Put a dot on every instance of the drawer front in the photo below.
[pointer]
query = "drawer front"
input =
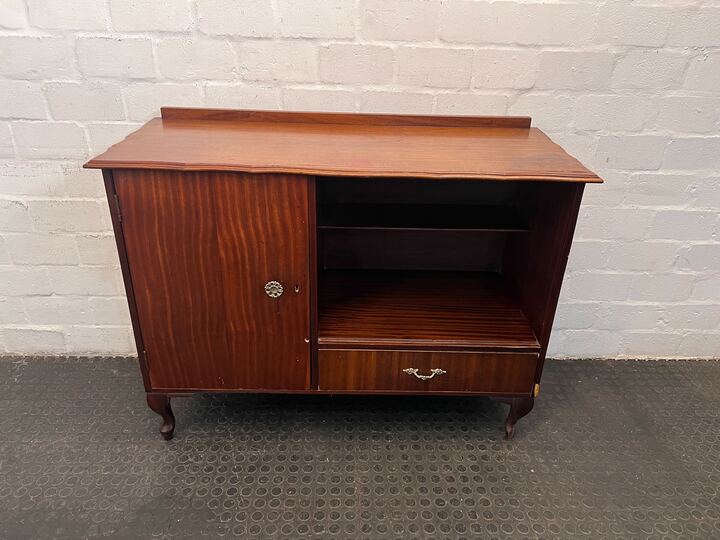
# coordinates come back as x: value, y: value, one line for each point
x: 409, y: 371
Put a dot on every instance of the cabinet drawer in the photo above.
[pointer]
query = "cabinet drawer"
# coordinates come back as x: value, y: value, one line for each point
x: 409, y: 371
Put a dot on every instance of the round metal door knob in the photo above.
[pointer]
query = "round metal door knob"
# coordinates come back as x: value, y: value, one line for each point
x: 273, y: 289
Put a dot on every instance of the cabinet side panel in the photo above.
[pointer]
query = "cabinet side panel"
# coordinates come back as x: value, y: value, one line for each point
x: 113, y: 206
x: 170, y: 227
x: 535, y: 262
x: 263, y: 236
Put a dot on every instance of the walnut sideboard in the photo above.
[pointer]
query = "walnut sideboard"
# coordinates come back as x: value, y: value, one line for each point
x: 341, y: 253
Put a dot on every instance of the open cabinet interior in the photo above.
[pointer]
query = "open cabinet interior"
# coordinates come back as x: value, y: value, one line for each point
x: 447, y: 264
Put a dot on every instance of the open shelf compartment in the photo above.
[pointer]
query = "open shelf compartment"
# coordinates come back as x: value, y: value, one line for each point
x: 439, y: 265
x: 415, y: 309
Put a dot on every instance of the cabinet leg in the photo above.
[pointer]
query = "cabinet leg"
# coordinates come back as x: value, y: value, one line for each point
x: 160, y: 403
x: 519, y: 407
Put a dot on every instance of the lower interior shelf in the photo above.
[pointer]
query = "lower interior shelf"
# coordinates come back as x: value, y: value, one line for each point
x: 361, y: 308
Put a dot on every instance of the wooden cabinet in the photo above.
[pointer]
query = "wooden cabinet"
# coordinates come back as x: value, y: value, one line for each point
x: 320, y: 253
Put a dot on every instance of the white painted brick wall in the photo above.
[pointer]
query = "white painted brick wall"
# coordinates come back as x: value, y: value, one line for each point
x: 313, y: 19
x: 278, y: 61
x: 349, y: 63
x: 6, y: 143
x: 631, y: 88
x: 63, y: 15
x: 250, y: 18
x: 434, y: 67
x: 150, y: 15
x: 704, y: 72
x: 115, y: 57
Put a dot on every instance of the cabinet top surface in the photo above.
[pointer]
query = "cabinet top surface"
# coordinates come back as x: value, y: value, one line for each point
x: 496, y: 148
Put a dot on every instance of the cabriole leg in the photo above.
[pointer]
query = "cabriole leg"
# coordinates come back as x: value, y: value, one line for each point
x: 519, y: 407
x: 160, y: 403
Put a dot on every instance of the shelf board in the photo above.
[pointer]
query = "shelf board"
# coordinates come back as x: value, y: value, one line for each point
x: 445, y: 217
x: 436, y: 310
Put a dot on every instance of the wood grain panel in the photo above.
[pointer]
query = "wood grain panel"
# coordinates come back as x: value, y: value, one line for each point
x: 201, y: 247
x: 534, y: 263
x: 419, y: 217
x: 411, y: 250
x: 314, y: 246
x: 356, y: 147
x: 395, y: 191
x: 263, y: 234
x: 381, y: 370
x: 170, y: 226
x: 432, y: 310
x: 114, y: 208
x: 221, y: 115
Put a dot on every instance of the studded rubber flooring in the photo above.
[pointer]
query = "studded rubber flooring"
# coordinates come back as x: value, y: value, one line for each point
x: 613, y: 449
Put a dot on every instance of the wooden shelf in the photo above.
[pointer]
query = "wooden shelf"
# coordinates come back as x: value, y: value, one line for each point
x: 409, y: 309
x: 448, y: 217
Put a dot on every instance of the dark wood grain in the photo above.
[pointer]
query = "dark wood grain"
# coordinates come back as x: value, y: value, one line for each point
x: 160, y: 403
x: 114, y: 207
x: 411, y: 250
x: 201, y: 247
x: 313, y: 246
x: 493, y: 373
x: 519, y: 406
x: 170, y: 231
x: 263, y: 235
x: 289, y: 117
x: 415, y: 224
x: 432, y: 310
x: 391, y: 253
x: 436, y: 217
x: 345, y: 149
x: 535, y: 263
x: 414, y: 191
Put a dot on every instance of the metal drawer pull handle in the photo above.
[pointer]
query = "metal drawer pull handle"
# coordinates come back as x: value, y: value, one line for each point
x: 273, y: 289
x: 433, y: 372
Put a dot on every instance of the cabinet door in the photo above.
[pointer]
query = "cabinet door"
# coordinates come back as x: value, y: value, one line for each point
x: 201, y: 246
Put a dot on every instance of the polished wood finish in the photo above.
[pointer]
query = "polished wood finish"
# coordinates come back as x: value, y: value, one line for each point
x: 160, y: 403
x: 354, y: 119
x: 200, y: 248
x: 263, y: 234
x: 114, y: 207
x: 411, y: 250
x: 393, y: 249
x: 414, y: 191
x: 424, y: 217
x: 431, y: 310
x: 313, y: 246
x: 519, y: 407
x: 535, y: 263
x: 171, y: 241
x: 382, y: 370
x: 351, y: 146
x: 415, y: 224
